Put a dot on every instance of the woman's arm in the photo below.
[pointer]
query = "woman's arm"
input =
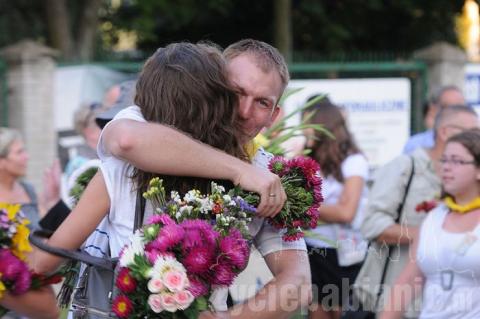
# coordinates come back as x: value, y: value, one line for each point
x: 37, y: 304
x: 408, y: 286
x: 161, y: 149
x: 346, y: 208
x: 92, y: 207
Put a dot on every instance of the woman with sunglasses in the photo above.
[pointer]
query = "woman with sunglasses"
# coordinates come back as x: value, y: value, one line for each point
x: 446, y: 255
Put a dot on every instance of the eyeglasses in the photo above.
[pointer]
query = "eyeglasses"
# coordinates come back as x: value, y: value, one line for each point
x: 455, y: 161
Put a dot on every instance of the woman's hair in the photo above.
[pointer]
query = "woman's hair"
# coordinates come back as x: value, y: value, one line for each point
x: 7, y: 137
x: 470, y: 139
x: 185, y: 86
x: 85, y: 116
x: 327, y: 151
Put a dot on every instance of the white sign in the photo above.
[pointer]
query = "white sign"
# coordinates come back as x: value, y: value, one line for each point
x: 472, y: 85
x: 377, y: 110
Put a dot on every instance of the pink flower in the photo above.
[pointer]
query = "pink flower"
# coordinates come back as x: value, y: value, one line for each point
x: 175, y: 280
x: 155, y: 303
x: 297, y: 223
x: 168, y: 302
x: 235, y: 249
x: 278, y: 165
x: 197, y: 287
x: 23, y: 281
x: 14, y: 270
x: 198, y: 233
x: 169, y: 236
x: 292, y: 237
x: 173, y: 232
x: 155, y: 285
x: 223, y: 275
x: 198, y: 260
x: 163, y: 219
x: 184, y: 299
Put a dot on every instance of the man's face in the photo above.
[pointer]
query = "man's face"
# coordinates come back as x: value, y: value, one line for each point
x: 258, y: 93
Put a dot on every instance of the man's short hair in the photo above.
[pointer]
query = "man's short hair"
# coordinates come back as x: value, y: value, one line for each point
x: 267, y: 56
x: 437, y: 94
x: 447, y: 112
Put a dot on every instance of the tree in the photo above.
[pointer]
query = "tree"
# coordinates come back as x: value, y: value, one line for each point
x: 74, y: 39
x: 66, y: 25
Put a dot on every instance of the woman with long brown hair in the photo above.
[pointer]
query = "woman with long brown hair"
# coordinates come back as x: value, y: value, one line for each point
x: 336, y: 248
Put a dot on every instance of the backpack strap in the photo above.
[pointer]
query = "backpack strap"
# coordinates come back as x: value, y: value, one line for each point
x: 397, y: 220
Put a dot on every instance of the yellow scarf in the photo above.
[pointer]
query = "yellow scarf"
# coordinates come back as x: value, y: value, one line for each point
x: 462, y: 209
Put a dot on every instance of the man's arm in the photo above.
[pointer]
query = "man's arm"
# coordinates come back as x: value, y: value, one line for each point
x: 158, y: 148
x: 288, y: 291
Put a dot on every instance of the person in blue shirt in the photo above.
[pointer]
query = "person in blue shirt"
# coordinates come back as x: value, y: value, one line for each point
x: 445, y: 96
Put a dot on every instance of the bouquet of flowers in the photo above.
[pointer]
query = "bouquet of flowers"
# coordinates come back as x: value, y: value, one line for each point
x: 302, y: 183
x: 16, y: 278
x: 186, y: 249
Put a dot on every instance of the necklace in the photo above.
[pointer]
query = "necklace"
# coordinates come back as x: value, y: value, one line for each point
x: 462, y: 209
x: 447, y: 275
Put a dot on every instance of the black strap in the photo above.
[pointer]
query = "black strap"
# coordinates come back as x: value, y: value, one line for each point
x: 37, y: 239
x: 397, y: 220
x: 139, y: 210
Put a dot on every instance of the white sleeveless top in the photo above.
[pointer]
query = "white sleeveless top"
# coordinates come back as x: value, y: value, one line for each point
x: 450, y: 263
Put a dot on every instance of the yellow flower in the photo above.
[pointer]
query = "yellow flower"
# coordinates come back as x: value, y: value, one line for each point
x: 20, y: 241
x: 2, y: 288
x: 12, y: 209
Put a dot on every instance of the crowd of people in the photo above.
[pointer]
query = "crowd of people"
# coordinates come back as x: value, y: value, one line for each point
x: 191, y: 117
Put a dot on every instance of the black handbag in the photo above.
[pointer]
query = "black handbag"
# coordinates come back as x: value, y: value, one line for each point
x: 93, y: 294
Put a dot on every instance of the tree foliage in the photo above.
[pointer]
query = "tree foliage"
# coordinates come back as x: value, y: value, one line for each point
x: 325, y: 27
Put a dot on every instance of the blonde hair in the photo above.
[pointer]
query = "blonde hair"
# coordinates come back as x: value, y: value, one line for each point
x: 7, y: 137
x: 85, y: 116
x: 267, y: 57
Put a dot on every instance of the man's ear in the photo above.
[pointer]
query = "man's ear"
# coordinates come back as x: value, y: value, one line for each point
x: 275, y: 113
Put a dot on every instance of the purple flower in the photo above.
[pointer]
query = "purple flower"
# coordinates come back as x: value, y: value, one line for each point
x: 163, y: 219
x: 14, y: 271
x: 10, y: 265
x: 244, y: 206
x: 199, y: 260
x: 235, y: 249
x: 223, y: 275
x: 198, y: 233
x: 153, y: 254
x: 197, y: 287
x: 173, y: 232
x: 23, y: 280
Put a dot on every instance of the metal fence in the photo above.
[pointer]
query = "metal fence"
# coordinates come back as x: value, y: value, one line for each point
x: 341, y: 67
